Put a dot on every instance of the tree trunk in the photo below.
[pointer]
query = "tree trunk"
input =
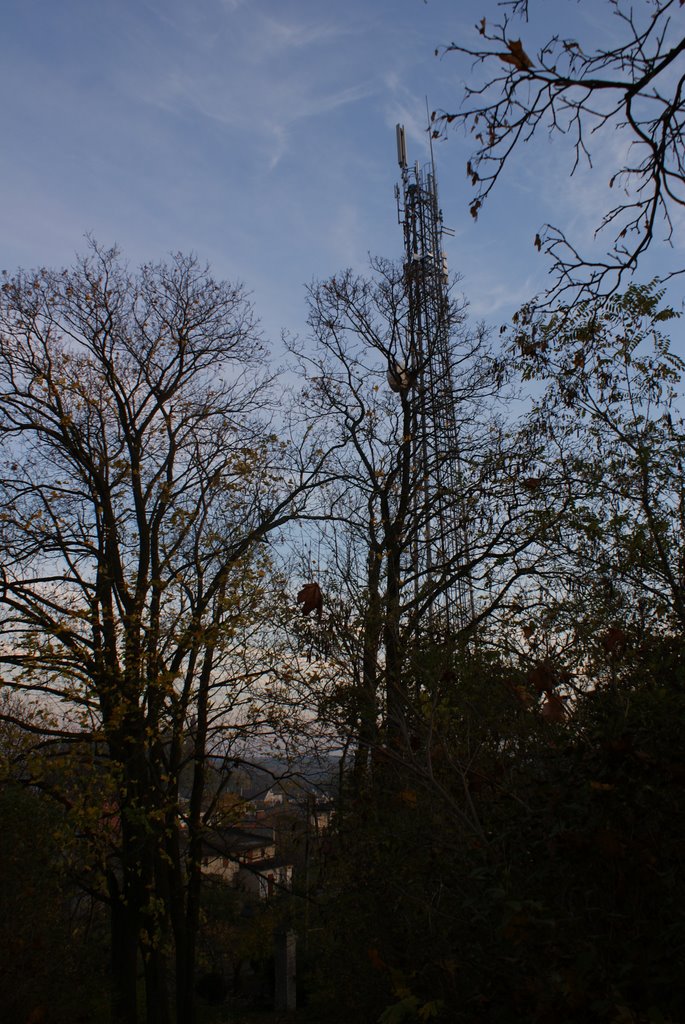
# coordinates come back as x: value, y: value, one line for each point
x: 187, y: 924
x: 156, y: 990
x: 368, y: 696
x: 124, y: 956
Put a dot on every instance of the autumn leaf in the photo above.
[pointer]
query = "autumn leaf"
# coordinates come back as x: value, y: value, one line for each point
x: 481, y: 26
x: 516, y: 56
x: 431, y: 1010
x: 408, y: 797
x: 553, y: 709
x: 311, y: 599
x: 377, y: 962
x: 614, y: 640
x: 522, y: 694
x: 542, y: 677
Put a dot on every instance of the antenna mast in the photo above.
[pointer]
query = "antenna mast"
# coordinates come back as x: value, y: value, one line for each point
x: 439, y: 551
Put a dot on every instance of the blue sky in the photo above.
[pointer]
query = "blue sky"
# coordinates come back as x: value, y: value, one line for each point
x: 260, y: 135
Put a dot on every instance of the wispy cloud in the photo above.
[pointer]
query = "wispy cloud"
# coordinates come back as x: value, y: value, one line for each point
x: 347, y: 237
x: 264, y: 91
x: 281, y: 35
x: 490, y: 296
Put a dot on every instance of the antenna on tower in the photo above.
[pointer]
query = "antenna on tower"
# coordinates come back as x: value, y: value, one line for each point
x: 429, y: 129
x: 401, y: 146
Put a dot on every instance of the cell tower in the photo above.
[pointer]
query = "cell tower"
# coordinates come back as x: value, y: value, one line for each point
x: 439, y: 550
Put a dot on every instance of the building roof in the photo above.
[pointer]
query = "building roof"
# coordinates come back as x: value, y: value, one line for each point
x: 228, y: 842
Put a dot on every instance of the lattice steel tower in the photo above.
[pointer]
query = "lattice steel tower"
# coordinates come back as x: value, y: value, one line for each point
x: 439, y: 551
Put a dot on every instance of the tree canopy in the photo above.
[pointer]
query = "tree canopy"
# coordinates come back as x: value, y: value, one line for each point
x: 139, y: 475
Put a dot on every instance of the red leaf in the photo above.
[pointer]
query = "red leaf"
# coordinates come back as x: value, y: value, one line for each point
x: 311, y: 599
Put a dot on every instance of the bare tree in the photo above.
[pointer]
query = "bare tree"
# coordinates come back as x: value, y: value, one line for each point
x: 138, y: 477
x: 580, y: 91
x: 386, y: 599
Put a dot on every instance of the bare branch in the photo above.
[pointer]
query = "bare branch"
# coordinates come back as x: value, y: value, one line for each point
x: 582, y: 93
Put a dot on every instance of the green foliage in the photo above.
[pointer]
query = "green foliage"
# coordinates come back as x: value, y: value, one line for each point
x: 496, y: 857
x: 608, y: 437
x: 54, y: 940
x: 548, y: 890
x: 236, y: 927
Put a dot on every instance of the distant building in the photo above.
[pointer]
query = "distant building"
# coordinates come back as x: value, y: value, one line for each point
x: 246, y: 860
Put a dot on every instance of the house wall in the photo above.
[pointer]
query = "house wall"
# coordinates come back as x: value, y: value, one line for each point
x: 267, y: 882
x: 220, y: 867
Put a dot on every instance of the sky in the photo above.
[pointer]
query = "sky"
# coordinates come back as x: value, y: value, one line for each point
x: 260, y: 135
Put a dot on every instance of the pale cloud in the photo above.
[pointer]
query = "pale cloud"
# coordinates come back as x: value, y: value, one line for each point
x: 280, y: 35
x: 491, y: 296
x: 265, y: 108
x: 266, y: 111
x: 404, y: 107
x: 577, y: 204
x: 347, y: 237
x: 314, y: 106
x: 281, y: 72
